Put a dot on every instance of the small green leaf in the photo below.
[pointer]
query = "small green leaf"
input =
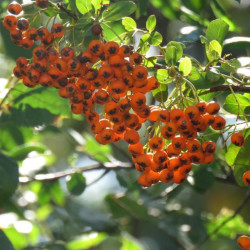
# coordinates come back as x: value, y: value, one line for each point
x: 185, y: 66
x: 8, y: 177
x: 203, y: 179
x: 151, y: 23
x: 170, y: 55
x: 155, y: 38
x: 129, y: 23
x: 214, y: 46
x: 232, y: 105
x: 217, y: 30
x: 83, y: 6
x: 97, y: 4
x: 87, y: 241
x: 178, y: 52
x: 76, y: 184
x: 161, y: 93
x: 162, y: 75
x: 118, y: 10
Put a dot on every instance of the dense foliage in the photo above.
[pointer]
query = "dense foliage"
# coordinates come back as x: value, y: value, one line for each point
x: 78, y: 77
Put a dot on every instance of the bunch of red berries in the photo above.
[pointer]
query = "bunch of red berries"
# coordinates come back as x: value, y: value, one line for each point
x: 111, y: 78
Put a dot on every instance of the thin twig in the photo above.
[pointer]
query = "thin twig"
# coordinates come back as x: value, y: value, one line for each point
x: 62, y: 8
x: 236, y: 88
x: 61, y: 174
x: 237, y: 211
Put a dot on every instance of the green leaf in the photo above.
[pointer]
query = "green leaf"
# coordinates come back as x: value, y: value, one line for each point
x: 221, y: 13
x: 161, y: 93
x: 123, y: 206
x: 8, y: 177
x: 27, y: 116
x: 97, y: 4
x: 185, y: 66
x: 83, y: 6
x: 155, y: 38
x: 87, y: 241
x: 100, y: 152
x: 170, y: 55
x: 162, y: 75
x: 235, y: 227
x: 118, y: 10
x: 203, y: 178
x: 232, y: 106
x: 129, y: 23
x: 173, y: 55
x: 215, y: 49
x: 217, y: 30
x: 21, y: 152
x: 114, y: 29
x: 41, y: 97
x: 5, y: 242
x: 151, y: 23
x: 150, y: 62
x: 76, y: 184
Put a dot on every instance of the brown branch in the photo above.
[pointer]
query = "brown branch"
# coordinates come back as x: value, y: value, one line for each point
x: 70, y: 14
x: 57, y: 175
x: 235, y: 88
x: 237, y: 211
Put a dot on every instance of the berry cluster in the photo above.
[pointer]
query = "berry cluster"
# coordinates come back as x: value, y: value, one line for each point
x: 108, y: 83
x: 176, y: 146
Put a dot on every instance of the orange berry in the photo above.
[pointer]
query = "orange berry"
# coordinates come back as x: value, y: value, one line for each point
x: 219, y: 123
x: 15, y: 8
x: 43, y: 4
x: 246, y: 178
x: 57, y: 30
x: 166, y: 175
x: 202, y: 107
x: 192, y: 112
x: 143, y: 182
x: 156, y: 143
x: 111, y: 48
x: 193, y: 146
x: 179, y: 142
x: 208, y: 147
x: 176, y: 114
x: 238, y: 139
x: 10, y: 22
x: 96, y: 47
x: 160, y: 157
x: 213, y: 108
x: 244, y: 242
x: 152, y: 176
x: 164, y: 116
x: 179, y: 176
x: 131, y: 136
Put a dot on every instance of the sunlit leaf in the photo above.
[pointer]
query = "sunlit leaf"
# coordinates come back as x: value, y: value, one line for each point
x: 185, y: 66
x: 151, y: 23
x: 118, y: 10
x: 129, y: 23
x: 217, y: 30
x: 83, y: 6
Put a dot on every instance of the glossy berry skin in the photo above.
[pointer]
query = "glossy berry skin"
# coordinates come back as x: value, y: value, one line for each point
x: 238, y: 139
x: 246, y: 178
x: 244, y: 242
x: 43, y: 4
x: 96, y: 29
x: 15, y: 8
